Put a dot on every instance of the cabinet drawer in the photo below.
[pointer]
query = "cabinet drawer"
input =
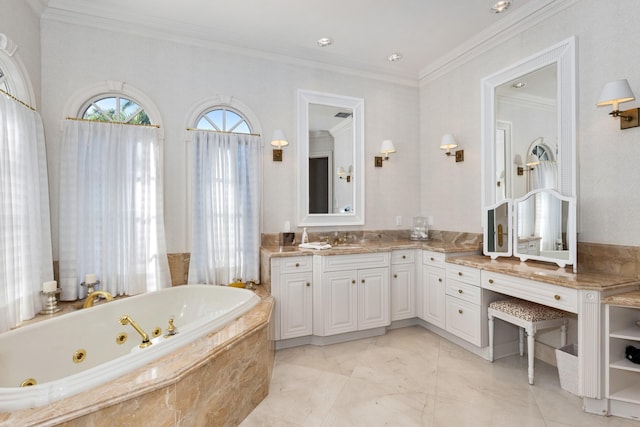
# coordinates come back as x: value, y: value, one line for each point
x: 464, y: 291
x: 464, y: 320
x: 463, y: 274
x: 355, y: 261
x: 296, y: 264
x: 403, y: 256
x: 543, y: 293
x: 435, y: 259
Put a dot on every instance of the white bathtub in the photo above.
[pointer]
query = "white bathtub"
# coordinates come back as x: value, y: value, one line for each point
x: 45, y: 350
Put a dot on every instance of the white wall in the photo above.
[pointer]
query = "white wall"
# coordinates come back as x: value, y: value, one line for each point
x: 608, y: 48
x: 177, y: 76
x: 21, y: 24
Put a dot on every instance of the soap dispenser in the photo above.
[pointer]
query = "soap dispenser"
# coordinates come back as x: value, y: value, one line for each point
x: 305, y: 236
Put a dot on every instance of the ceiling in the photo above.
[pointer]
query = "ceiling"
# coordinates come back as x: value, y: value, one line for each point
x: 365, y: 32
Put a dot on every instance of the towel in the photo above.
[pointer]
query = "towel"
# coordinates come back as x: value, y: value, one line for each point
x: 314, y: 245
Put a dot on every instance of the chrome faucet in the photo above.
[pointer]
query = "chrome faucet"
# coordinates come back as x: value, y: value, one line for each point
x: 91, y: 298
x: 124, y: 320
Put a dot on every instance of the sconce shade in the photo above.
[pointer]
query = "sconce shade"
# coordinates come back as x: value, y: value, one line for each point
x: 614, y: 93
x: 279, y: 139
x: 387, y: 147
x: 532, y: 160
x: 517, y: 160
x: 341, y: 171
x: 448, y: 142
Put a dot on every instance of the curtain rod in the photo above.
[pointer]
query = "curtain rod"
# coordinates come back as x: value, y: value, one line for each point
x: 222, y: 131
x: 112, y: 122
x: 16, y: 99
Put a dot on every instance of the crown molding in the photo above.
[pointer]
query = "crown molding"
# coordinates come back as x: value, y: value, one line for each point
x: 203, y: 37
x: 521, y: 20
x: 529, y: 101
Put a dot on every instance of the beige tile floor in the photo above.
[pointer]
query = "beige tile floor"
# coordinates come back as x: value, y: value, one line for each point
x: 412, y: 377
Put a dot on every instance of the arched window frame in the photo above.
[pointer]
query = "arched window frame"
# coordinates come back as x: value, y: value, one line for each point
x: 15, y: 74
x: 120, y: 105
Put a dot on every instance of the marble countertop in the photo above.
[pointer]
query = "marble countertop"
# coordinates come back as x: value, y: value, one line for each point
x: 546, y: 272
x: 375, y: 246
x: 629, y: 299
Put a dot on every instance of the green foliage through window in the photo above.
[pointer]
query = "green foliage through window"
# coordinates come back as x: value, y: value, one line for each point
x: 116, y: 109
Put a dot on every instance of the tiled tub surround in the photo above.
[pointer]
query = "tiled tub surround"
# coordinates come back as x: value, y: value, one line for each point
x: 215, y: 381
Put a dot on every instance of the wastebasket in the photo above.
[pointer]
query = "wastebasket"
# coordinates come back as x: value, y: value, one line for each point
x: 567, y: 359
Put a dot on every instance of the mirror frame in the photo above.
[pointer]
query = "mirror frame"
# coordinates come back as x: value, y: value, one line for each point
x: 563, y: 56
x: 356, y: 217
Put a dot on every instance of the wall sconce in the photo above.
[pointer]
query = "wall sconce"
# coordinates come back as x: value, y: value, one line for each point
x: 342, y: 174
x: 448, y: 142
x: 279, y: 140
x: 386, y: 148
x: 614, y: 93
x: 531, y: 162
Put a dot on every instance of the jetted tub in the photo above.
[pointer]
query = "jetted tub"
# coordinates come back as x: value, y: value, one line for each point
x: 51, y: 352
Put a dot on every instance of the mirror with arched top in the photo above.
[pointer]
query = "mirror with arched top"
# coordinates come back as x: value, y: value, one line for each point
x: 528, y: 140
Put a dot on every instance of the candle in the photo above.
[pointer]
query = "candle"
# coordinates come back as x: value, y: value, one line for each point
x: 90, y: 278
x: 51, y: 286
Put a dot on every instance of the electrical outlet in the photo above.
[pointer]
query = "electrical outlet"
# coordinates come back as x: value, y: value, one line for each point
x: 398, y: 220
x: 430, y: 220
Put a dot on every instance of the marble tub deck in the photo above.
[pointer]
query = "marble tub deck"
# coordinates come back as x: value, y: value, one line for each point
x: 214, y: 381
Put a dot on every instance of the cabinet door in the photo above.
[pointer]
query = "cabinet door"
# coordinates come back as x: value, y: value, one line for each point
x: 433, y: 295
x: 339, y: 302
x: 403, y: 291
x: 373, y: 298
x: 296, y: 298
x: 464, y: 320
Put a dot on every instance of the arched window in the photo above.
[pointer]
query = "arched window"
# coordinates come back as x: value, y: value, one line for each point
x: 4, y: 85
x: 114, y: 108
x: 223, y: 119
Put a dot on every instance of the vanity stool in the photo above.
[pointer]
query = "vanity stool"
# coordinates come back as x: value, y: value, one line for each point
x: 527, y: 316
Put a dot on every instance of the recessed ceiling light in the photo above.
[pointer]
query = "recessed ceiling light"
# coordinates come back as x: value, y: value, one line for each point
x: 325, y: 41
x: 518, y: 85
x: 394, y: 57
x: 501, y: 6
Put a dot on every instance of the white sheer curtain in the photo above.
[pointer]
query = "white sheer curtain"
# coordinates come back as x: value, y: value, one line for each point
x: 25, y: 231
x: 225, y: 193
x: 550, y: 225
x: 111, y: 209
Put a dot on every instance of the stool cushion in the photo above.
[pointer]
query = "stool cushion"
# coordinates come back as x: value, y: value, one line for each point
x: 526, y: 310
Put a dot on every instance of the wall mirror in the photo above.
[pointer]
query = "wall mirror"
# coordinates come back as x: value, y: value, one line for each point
x: 330, y: 159
x: 545, y: 230
x: 528, y: 136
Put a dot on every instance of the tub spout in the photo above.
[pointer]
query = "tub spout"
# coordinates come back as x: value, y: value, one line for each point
x: 91, y: 298
x: 124, y: 320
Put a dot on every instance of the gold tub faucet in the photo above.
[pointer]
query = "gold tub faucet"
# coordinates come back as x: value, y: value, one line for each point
x: 91, y: 298
x: 126, y: 319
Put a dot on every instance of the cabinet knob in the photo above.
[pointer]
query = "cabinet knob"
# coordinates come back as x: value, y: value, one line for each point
x: 490, y: 280
x: 404, y: 257
x: 362, y: 280
x: 308, y: 284
x: 297, y: 264
x: 459, y: 291
x: 395, y: 276
x: 460, y: 311
x: 557, y: 297
x: 459, y: 273
x: 440, y: 279
x: 432, y: 259
x: 353, y: 281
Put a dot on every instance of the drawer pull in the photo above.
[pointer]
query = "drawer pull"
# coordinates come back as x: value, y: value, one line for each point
x: 459, y: 291
x: 297, y: 264
x: 308, y: 284
x: 490, y: 281
x: 459, y: 273
x: 353, y: 281
x: 556, y: 297
x: 395, y: 276
x: 362, y: 280
x: 460, y: 311
x: 404, y: 257
x: 432, y: 259
x: 440, y: 279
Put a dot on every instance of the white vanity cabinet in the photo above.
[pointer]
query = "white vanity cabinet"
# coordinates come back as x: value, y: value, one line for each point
x: 353, y: 293
x: 403, y: 284
x: 291, y: 279
x: 465, y: 315
x: 432, y: 293
x: 622, y: 376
